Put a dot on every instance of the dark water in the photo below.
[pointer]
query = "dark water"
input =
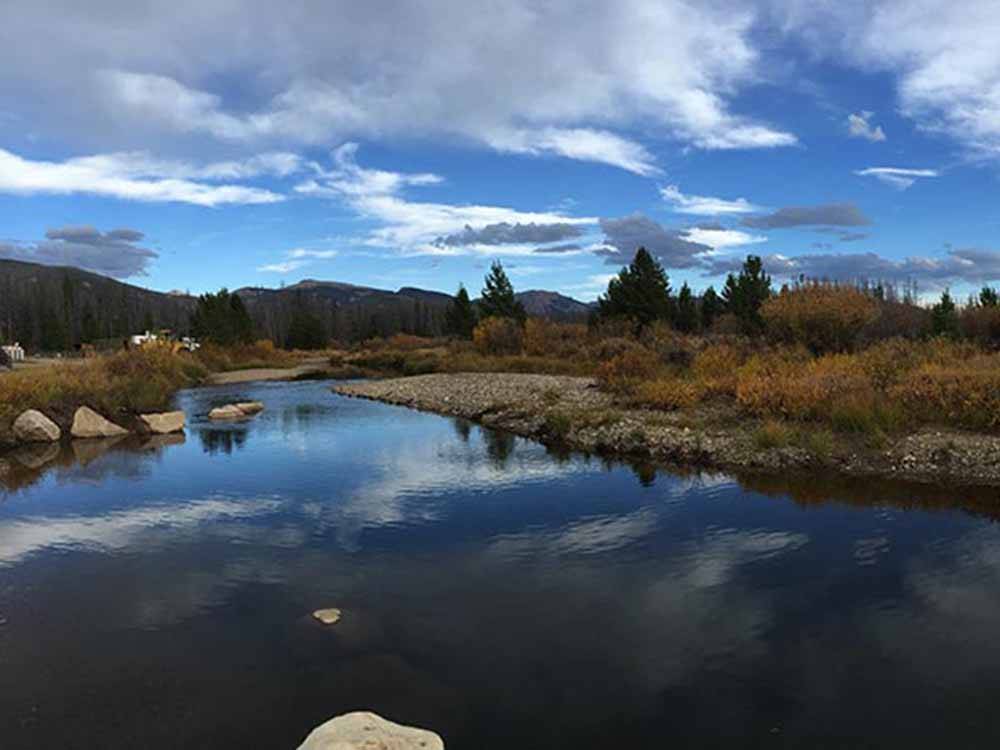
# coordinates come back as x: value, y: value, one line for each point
x: 158, y: 596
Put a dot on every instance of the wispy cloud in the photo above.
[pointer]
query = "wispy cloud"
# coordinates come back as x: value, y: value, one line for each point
x: 704, y: 205
x: 824, y: 215
x: 860, y: 126
x: 898, y: 177
x: 126, y: 177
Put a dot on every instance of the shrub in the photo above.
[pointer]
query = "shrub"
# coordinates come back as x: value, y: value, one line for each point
x: 981, y: 323
x: 667, y: 393
x: 624, y: 371
x: 544, y: 338
x: 822, y: 317
x: 772, y: 434
x: 497, y: 336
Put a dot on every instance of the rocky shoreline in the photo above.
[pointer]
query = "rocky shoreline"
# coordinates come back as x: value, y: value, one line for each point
x: 571, y: 412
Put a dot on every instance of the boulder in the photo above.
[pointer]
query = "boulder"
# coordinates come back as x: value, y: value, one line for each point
x: 229, y: 411
x: 34, y: 427
x: 363, y: 730
x: 250, y: 407
x: 87, y: 423
x: 329, y: 616
x: 163, y: 424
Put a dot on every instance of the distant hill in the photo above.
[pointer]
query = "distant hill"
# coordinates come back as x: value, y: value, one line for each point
x: 553, y: 305
x: 53, y: 308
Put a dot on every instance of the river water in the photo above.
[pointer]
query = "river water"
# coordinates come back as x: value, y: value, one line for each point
x: 159, y: 595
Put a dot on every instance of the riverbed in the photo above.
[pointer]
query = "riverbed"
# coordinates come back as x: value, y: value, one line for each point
x: 157, y: 593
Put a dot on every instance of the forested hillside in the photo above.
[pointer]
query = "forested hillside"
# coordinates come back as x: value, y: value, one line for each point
x: 49, y: 308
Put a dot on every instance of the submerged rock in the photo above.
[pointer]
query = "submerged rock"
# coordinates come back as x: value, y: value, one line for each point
x: 229, y: 411
x: 87, y: 423
x: 163, y: 423
x: 363, y: 730
x: 329, y: 616
x: 250, y: 407
x: 34, y: 427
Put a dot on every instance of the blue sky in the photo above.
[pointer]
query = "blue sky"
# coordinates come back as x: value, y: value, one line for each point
x: 201, y: 144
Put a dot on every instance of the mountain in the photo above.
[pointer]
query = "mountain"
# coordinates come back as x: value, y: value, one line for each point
x: 54, y: 308
x: 553, y: 305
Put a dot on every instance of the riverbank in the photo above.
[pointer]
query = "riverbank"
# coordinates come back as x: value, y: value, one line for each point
x: 311, y: 368
x: 572, y: 412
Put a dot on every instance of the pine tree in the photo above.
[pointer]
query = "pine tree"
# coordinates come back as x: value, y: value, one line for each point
x: 306, y: 330
x: 944, y: 318
x: 988, y: 297
x: 640, y: 292
x: 711, y: 307
x: 460, y: 319
x: 686, y: 317
x: 744, y: 294
x: 222, y: 319
x: 498, y: 298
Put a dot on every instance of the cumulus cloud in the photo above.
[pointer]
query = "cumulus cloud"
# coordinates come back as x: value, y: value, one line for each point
x: 505, y: 233
x: 115, y: 253
x: 969, y: 265
x: 830, y: 214
x: 704, y: 205
x: 860, y: 126
x: 897, y: 177
x: 129, y: 177
x: 718, y: 238
x: 622, y: 237
x: 418, y: 227
x: 566, y: 79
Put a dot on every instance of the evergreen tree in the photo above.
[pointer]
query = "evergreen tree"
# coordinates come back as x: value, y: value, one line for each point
x: 686, y: 318
x: 498, y: 298
x: 222, y: 319
x: 744, y: 294
x: 944, y: 318
x: 988, y: 297
x: 88, y: 326
x: 711, y: 307
x: 306, y: 330
x: 640, y: 292
x: 461, y: 316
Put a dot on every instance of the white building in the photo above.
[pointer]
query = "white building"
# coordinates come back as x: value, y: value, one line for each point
x: 15, y: 352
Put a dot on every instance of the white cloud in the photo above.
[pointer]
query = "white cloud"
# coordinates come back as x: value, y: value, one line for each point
x: 860, y: 126
x: 583, y: 144
x: 722, y: 238
x: 943, y: 56
x: 704, y: 205
x: 127, y: 177
x: 555, y: 78
x: 897, y: 177
x: 296, y: 258
x: 414, y: 227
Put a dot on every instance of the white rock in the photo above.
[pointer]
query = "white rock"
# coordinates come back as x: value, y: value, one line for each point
x: 329, y: 616
x: 34, y: 427
x: 87, y: 423
x: 229, y: 411
x: 164, y: 423
x: 363, y: 730
x: 250, y: 407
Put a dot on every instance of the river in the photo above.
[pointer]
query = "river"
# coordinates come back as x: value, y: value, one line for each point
x: 158, y: 595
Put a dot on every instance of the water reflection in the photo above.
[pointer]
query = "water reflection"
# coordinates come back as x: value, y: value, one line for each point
x: 503, y: 593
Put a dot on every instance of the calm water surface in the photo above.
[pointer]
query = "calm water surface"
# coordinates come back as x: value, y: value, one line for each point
x: 158, y: 595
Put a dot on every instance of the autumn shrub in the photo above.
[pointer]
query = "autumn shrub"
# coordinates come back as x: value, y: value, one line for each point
x: 896, y: 319
x: 667, y: 392
x: 981, y: 323
x: 624, y: 371
x: 965, y: 394
x: 545, y: 338
x: 259, y: 354
x: 498, y: 336
x: 671, y: 346
x: 716, y: 366
x: 773, y: 434
x: 820, y: 316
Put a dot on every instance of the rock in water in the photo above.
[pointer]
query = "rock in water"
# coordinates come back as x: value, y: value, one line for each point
x: 229, y: 411
x: 34, y: 427
x: 87, y: 423
x: 250, y: 407
x: 329, y: 616
x: 363, y: 730
x: 165, y: 423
